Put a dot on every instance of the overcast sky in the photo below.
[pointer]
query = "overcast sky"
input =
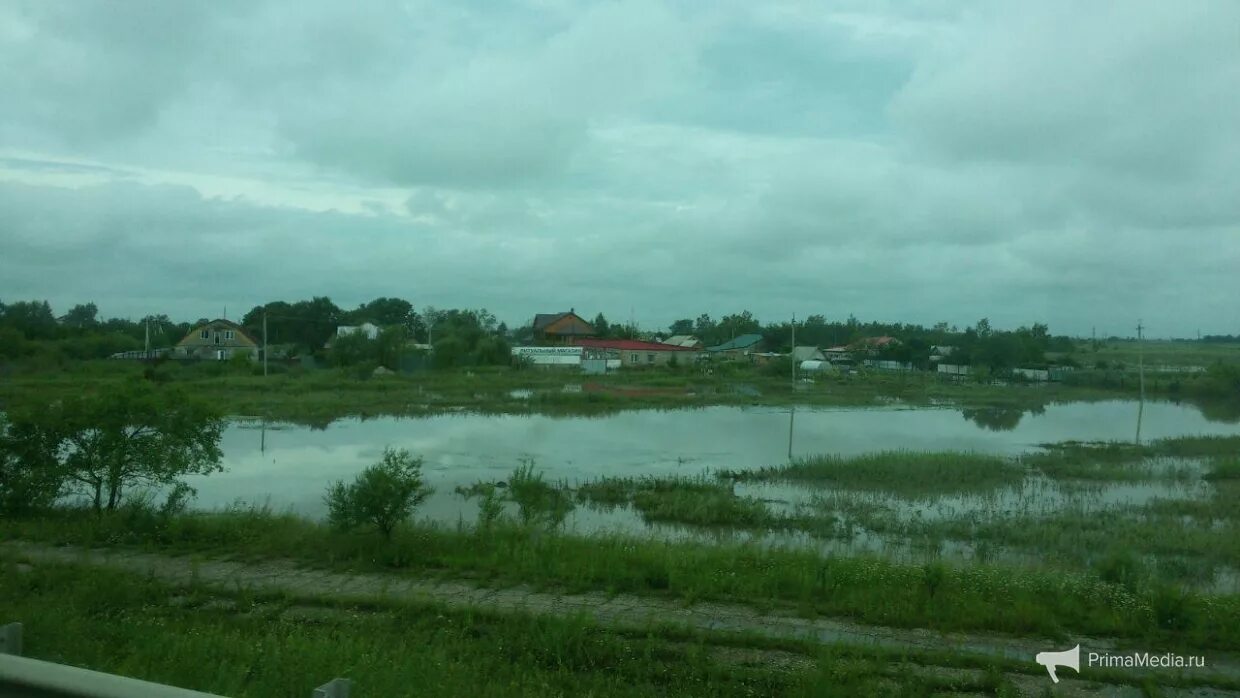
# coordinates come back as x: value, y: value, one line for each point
x: 1054, y: 161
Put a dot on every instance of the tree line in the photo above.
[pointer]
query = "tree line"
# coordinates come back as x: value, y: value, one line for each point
x: 463, y: 337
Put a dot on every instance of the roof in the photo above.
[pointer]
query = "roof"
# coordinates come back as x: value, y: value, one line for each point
x: 628, y: 345
x: 541, y: 320
x: 220, y: 321
x: 742, y: 342
x: 878, y: 341
x: 682, y: 340
x: 839, y: 350
x: 806, y: 353
x: 545, y: 320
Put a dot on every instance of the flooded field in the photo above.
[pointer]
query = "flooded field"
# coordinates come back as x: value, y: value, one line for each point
x: 721, y: 474
x: 288, y: 466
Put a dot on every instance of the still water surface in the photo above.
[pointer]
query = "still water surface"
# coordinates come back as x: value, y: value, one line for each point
x: 288, y: 467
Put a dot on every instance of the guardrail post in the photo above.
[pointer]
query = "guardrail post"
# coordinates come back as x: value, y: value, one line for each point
x: 336, y: 688
x: 11, y: 639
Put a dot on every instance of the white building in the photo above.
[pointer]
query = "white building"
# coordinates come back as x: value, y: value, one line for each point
x: 371, y: 331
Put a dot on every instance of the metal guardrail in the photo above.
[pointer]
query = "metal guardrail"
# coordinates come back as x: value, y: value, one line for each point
x: 22, y: 677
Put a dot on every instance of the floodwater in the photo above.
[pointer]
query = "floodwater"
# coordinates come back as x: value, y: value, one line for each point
x: 288, y: 467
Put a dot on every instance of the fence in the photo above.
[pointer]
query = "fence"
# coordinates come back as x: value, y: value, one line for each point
x: 32, y: 678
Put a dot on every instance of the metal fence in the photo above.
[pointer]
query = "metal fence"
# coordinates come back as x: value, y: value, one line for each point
x: 22, y: 677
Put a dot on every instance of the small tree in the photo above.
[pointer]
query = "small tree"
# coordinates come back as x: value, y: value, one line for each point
x: 131, y: 436
x: 383, y: 495
x: 30, y: 477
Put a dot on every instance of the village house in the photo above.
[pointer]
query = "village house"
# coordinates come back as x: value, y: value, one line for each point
x: 873, y: 345
x: 838, y: 355
x: 219, y: 340
x: 634, y: 352
x: 800, y: 354
x: 561, y: 328
x: 742, y: 347
x: 684, y: 340
x: 366, y: 328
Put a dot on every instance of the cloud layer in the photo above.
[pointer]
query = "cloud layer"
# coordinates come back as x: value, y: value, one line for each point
x: 1077, y: 165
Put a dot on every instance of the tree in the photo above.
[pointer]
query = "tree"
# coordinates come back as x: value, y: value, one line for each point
x: 983, y: 328
x: 738, y: 324
x: 353, y: 350
x: 135, y: 435
x: 387, y: 312
x: 601, y: 328
x: 382, y: 495
x: 704, y: 328
x: 390, y: 345
x: 34, y: 319
x: 683, y: 326
x: 30, y: 479
x: 81, y: 316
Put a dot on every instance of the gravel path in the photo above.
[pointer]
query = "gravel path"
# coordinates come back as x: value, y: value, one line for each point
x: 618, y: 610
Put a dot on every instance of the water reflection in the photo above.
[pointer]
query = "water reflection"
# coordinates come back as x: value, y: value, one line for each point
x: 290, y: 465
x: 1004, y: 418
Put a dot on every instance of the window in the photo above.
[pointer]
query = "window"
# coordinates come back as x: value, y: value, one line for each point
x: 228, y: 334
x: 217, y: 337
x: 650, y: 358
x: 632, y: 358
x: 205, y: 334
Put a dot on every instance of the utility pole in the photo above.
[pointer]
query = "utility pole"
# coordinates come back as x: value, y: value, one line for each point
x: 794, y: 352
x: 147, y: 348
x: 1141, y: 359
x: 264, y: 348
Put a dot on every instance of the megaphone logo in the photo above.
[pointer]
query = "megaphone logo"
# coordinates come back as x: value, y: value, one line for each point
x: 1069, y: 658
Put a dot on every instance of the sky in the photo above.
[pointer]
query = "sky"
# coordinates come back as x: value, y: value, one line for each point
x: 1076, y: 164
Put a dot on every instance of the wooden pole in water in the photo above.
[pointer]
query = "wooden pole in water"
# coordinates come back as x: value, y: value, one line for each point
x: 1141, y: 379
x: 792, y: 415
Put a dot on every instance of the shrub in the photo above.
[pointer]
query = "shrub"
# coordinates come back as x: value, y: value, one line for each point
x: 30, y: 479
x: 383, y: 495
x: 1122, y: 568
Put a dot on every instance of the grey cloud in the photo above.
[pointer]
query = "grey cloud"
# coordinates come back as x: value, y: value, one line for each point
x: 1145, y: 85
x: 947, y: 160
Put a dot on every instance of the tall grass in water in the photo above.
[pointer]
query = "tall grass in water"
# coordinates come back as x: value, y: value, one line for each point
x: 698, y: 501
x: 904, y: 473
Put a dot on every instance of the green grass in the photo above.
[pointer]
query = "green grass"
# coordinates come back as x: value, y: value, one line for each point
x: 316, y: 397
x: 1120, y: 461
x: 1196, y: 446
x: 1019, y: 601
x: 1161, y: 353
x: 696, y: 501
x: 244, y: 644
x: 1225, y: 469
x: 904, y: 473
x: 127, y: 624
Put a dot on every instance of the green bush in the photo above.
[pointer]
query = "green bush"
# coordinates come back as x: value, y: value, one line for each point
x: 383, y: 495
x: 30, y: 480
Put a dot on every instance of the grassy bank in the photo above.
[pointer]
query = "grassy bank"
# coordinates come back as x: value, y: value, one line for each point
x: 243, y: 645
x: 870, y: 590
x: 317, y: 396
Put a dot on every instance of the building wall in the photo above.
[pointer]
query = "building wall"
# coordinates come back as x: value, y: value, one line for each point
x: 221, y: 341
x: 215, y: 353
x: 644, y: 357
